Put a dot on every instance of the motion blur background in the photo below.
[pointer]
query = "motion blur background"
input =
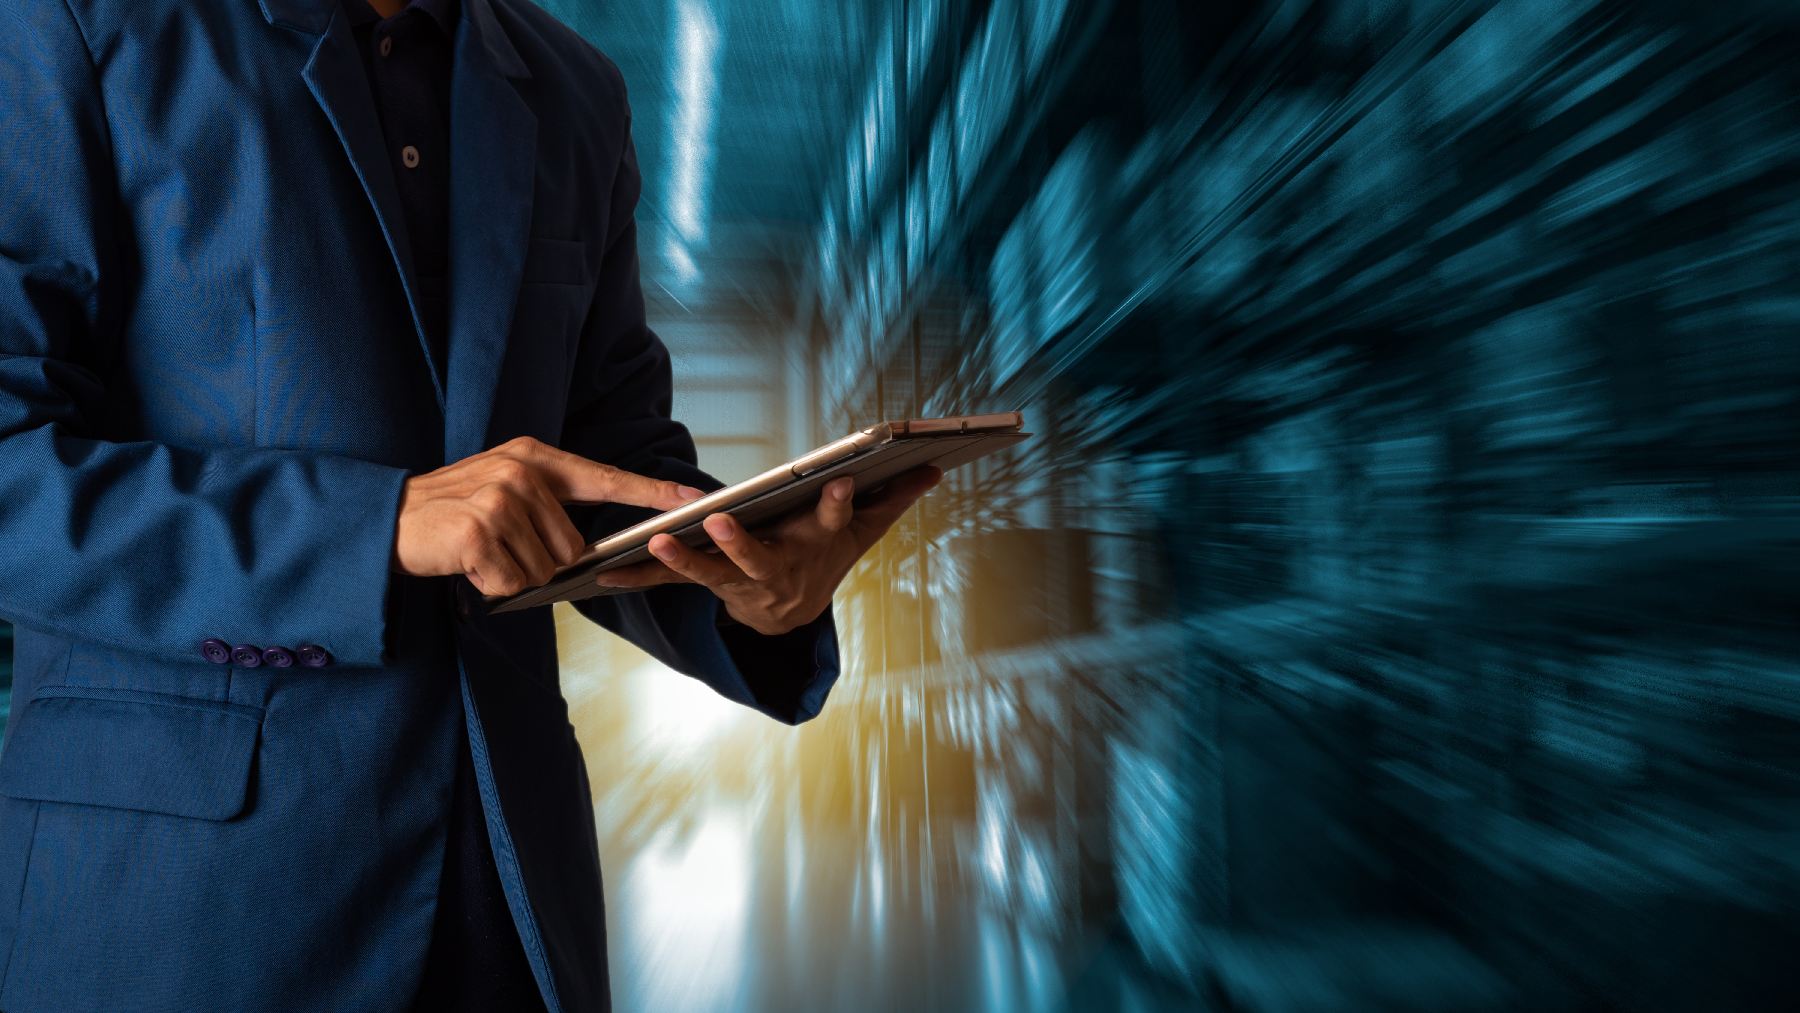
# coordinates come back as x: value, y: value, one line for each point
x: 1395, y: 609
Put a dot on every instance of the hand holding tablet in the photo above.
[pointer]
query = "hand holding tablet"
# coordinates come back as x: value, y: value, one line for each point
x: 869, y: 460
x: 783, y: 576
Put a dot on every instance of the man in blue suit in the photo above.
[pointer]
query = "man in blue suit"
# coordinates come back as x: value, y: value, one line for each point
x: 317, y: 319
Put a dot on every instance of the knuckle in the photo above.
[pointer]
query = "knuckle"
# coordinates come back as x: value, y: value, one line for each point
x: 490, y: 499
x: 511, y: 470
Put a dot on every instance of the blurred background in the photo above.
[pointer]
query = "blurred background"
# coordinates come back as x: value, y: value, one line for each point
x: 1395, y: 609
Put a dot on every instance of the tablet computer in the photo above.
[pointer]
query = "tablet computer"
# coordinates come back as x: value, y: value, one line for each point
x: 871, y: 457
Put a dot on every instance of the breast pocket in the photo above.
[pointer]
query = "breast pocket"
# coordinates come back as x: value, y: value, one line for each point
x: 547, y: 321
x: 129, y: 750
x: 556, y: 262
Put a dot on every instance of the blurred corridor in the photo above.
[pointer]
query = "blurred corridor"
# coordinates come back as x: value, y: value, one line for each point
x: 1396, y: 608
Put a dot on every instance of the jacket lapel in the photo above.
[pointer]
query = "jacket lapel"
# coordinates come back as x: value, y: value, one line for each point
x: 493, y: 161
x: 337, y: 80
x: 493, y: 167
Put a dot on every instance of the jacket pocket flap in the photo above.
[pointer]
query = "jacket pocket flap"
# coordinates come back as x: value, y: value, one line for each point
x: 128, y: 750
x: 555, y: 262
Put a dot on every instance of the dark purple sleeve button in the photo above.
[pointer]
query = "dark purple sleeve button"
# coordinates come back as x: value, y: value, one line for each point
x: 216, y: 651
x: 246, y: 656
x: 313, y: 656
x: 280, y: 657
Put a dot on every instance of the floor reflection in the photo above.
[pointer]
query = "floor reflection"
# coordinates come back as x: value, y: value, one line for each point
x: 739, y: 879
x: 684, y: 944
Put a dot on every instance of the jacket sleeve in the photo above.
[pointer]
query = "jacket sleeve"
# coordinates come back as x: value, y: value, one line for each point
x: 142, y: 546
x: 619, y: 414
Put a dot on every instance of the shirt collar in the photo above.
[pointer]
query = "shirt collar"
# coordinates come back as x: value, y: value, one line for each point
x: 444, y: 12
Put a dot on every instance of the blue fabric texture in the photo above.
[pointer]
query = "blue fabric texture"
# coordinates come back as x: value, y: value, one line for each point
x: 112, y: 747
x: 214, y: 379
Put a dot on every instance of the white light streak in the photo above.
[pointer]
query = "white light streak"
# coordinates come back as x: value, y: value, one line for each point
x: 686, y: 904
x: 696, y: 88
x: 686, y: 271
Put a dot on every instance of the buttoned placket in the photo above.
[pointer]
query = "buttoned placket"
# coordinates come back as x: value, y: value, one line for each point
x: 409, y: 121
x: 408, y: 59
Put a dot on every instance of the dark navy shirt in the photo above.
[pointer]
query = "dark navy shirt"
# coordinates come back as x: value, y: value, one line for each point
x: 408, y: 58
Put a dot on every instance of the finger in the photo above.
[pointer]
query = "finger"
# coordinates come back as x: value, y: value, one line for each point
x: 574, y: 479
x: 554, y: 529
x: 700, y: 567
x: 646, y: 574
x: 514, y: 524
x: 834, y: 510
x: 492, y: 568
x: 756, y: 560
x: 874, y: 517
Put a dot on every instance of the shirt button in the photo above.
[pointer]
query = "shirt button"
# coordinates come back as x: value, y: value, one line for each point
x: 216, y: 651
x: 387, y: 45
x: 313, y: 656
x: 410, y: 156
x: 280, y: 657
x: 246, y: 655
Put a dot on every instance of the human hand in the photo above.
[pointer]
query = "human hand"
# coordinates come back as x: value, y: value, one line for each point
x: 497, y: 517
x: 782, y: 578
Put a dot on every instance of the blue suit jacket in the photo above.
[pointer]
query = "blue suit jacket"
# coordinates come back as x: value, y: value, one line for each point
x: 212, y: 385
